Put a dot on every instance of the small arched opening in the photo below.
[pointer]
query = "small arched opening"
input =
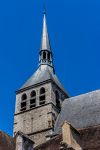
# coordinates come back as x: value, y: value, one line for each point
x: 44, y: 55
x: 33, y: 99
x: 42, y: 96
x: 23, y: 102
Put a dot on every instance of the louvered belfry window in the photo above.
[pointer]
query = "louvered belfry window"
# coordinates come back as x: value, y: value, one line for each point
x: 23, y: 102
x: 42, y: 96
x: 33, y: 99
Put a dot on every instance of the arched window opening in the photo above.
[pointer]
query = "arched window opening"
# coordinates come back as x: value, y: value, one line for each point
x: 23, y: 102
x: 44, y: 55
x: 49, y: 56
x: 42, y: 90
x: 57, y: 100
x: 33, y: 99
x: 24, y: 97
x: 33, y: 94
x: 42, y: 96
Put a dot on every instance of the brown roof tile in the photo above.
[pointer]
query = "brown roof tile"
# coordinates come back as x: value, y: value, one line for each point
x: 90, y: 138
x: 53, y: 144
x: 6, y: 142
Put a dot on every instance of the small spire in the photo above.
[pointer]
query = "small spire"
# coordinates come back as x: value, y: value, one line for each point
x: 45, y: 43
x: 45, y: 55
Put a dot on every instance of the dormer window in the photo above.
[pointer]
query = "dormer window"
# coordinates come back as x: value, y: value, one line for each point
x: 33, y: 99
x: 23, y: 102
x: 42, y: 96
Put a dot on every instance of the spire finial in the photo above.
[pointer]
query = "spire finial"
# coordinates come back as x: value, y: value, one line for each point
x: 45, y: 49
x: 44, y: 10
x: 45, y: 43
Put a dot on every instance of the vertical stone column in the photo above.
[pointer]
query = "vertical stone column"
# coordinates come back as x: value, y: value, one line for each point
x: 23, y: 142
x: 37, y: 97
x: 19, y: 143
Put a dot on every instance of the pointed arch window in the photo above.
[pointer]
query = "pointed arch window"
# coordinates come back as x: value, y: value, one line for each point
x: 57, y: 100
x: 42, y: 96
x: 23, y: 102
x: 33, y: 99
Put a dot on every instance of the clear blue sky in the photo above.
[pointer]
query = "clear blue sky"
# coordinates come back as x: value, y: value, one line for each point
x: 74, y: 29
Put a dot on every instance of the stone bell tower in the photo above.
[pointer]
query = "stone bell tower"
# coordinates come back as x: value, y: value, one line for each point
x: 38, y: 101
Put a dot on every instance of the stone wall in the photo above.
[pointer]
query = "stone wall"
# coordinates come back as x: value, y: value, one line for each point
x: 47, y: 87
x: 62, y: 96
x: 34, y: 121
x: 40, y: 138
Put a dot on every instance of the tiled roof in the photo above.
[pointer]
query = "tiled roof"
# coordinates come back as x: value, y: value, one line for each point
x: 6, y: 142
x: 43, y: 74
x: 53, y: 144
x: 90, y: 138
x: 81, y: 111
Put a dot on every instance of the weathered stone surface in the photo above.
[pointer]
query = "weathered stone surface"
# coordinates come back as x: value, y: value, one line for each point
x: 71, y: 137
x: 39, y: 121
x: 23, y: 142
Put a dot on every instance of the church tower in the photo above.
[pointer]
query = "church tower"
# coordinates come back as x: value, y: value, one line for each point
x: 38, y: 101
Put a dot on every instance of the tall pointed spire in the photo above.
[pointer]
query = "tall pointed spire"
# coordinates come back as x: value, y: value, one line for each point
x: 45, y: 43
x: 45, y: 55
